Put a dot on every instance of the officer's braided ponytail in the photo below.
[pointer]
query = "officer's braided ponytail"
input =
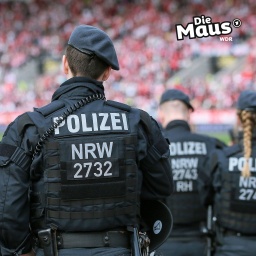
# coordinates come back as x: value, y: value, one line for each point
x: 248, y: 122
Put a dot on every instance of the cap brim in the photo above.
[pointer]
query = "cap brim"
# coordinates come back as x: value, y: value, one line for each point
x: 159, y: 221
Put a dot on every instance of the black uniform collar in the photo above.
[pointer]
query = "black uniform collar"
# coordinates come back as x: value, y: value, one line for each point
x: 179, y: 125
x: 78, y: 87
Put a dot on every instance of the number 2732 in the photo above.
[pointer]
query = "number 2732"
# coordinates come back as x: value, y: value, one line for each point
x: 96, y: 169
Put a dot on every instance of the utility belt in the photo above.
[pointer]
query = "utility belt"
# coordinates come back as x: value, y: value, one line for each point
x: 221, y: 233
x: 186, y: 239
x: 92, y: 239
x: 187, y: 232
x: 228, y: 232
x: 51, y: 240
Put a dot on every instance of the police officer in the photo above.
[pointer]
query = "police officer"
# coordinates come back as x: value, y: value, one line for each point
x: 73, y: 173
x: 231, y: 186
x: 188, y: 152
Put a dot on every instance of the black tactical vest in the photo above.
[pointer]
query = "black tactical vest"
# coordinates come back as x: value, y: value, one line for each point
x: 186, y: 158
x: 235, y: 204
x: 89, y: 176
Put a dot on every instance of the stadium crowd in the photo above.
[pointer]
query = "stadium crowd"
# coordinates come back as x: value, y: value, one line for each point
x: 145, y: 39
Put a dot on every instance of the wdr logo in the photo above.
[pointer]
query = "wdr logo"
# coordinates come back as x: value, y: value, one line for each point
x: 204, y: 27
x: 226, y: 38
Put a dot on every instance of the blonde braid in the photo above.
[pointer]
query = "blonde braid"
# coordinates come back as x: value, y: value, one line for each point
x: 247, y: 121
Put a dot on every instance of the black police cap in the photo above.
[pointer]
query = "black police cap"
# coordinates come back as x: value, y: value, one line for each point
x: 247, y: 100
x: 88, y: 39
x: 174, y: 94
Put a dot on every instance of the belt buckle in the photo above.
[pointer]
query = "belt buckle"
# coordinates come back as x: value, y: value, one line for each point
x: 59, y: 240
x: 106, y: 239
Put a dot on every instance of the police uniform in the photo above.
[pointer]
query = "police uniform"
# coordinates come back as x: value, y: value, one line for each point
x: 188, y: 153
x: 73, y: 173
x: 233, y: 195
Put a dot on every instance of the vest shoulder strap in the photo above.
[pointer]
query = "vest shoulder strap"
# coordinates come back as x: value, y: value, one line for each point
x: 15, y: 153
x: 56, y: 105
x: 220, y: 144
x: 159, y: 145
x: 50, y: 108
x: 23, y: 121
x: 119, y: 105
x: 146, y: 121
x: 229, y: 151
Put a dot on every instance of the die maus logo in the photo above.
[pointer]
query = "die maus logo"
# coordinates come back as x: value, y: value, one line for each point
x: 203, y: 27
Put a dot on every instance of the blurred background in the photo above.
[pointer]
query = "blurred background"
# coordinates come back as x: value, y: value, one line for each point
x: 34, y: 33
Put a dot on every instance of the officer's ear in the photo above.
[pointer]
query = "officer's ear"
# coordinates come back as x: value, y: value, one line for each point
x: 106, y: 74
x: 65, y: 65
x: 160, y: 115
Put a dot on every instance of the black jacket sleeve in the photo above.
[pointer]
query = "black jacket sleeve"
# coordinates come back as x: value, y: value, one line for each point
x: 206, y: 178
x: 155, y: 163
x: 15, y: 159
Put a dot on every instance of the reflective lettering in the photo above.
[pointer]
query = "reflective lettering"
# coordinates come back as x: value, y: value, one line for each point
x: 75, y: 151
x: 232, y: 163
x: 184, y: 186
x: 103, y: 126
x: 247, y: 182
x: 57, y: 129
x: 184, y: 163
x: 187, y: 148
x: 73, y: 123
x: 93, y: 122
x: 247, y: 194
x: 125, y: 122
x: 238, y: 164
x: 115, y: 119
x: 84, y: 124
x: 91, y: 150
x: 105, y: 148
